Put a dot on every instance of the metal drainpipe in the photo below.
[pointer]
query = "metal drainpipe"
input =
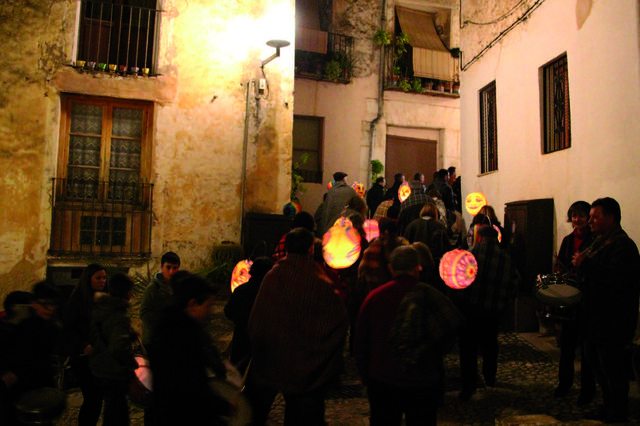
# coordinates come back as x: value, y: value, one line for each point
x: 374, y: 122
x: 243, y: 178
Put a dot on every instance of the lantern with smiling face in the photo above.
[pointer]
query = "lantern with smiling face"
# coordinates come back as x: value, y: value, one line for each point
x: 341, y: 244
x: 404, y: 191
x: 359, y: 187
x: 240, y: 274
x: 474, y: 202
x: 458, y: 268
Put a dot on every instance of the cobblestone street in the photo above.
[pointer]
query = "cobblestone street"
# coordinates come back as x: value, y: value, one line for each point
x: 523, y: 393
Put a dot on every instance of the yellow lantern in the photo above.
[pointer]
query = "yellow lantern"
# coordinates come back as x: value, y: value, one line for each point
x: 474, y: 202
x: 359, y: 187
x: 371, y: 229
x: 341, y: 244
x: 240, y: 274
x: 404, y: 191
x: 458, y: 268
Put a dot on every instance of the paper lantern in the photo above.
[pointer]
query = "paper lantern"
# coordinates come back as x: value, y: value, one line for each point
x: 371, y: 228
x: 291, y: 209
x: 240, y: 274
x: 341, y: 244
x: 458, y: 268
x: 330, y: 184
x: 474, y: 202
x: 404, y: 191
x: 359, y: 187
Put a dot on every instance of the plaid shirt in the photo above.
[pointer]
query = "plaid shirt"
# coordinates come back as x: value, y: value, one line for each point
x: 280, y: 251
x: 496, y: 282
x: 381, y: 211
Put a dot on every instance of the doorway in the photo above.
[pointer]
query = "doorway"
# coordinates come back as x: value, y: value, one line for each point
x: 410, y: 155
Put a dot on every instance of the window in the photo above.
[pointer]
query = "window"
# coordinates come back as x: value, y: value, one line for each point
x: 488, y: 129
x: 102, y: 198
x: 555, y: 106
x: 307, y: 147
x: 105, y: 147
x: 119, y: 32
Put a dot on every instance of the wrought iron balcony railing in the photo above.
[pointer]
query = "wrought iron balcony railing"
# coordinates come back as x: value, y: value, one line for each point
x: 101, y: 218
x: 335, y: 65
x: 118, y: 37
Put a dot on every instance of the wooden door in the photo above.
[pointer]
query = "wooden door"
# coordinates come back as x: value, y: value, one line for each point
x: 408, y: 156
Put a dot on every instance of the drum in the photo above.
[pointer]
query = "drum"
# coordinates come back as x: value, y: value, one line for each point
x: 560, y: 299
x: 241, y: 413
x: 40, y: 406
x: 140, y: 386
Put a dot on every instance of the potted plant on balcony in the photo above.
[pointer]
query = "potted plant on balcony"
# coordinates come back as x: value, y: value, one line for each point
x: 382, y: 37
x: 416, y: 85
x: 338, y: 68
x: 404, y: 84
x: 456, y: 87
x: 448, y: 84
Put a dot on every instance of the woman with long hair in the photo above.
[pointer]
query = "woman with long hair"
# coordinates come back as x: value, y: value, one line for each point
x: 77, y: 324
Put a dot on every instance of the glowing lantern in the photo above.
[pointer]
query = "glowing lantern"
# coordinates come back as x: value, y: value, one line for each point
x: 474, y: 202
x: 458, y: 268
x: 291, y: 209
x: 240, y: 274
x: 371, y: 228
x: 359, y: 187
x: 330, y: 184
x: 341, y: 244
x: 404, y: 191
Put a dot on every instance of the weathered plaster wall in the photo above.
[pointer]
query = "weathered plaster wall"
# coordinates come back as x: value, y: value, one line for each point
x: 604, y: 85
x: 206, y: 60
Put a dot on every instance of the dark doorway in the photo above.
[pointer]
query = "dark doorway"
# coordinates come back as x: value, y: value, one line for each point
x: 408, y: 156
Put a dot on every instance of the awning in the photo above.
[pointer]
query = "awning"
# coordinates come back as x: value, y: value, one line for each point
x: 431, y: 58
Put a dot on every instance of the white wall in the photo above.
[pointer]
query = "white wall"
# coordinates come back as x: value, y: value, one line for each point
x: 603, y: 60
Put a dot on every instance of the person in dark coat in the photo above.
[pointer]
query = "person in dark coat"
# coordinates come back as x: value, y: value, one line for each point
x: 77, y: 324
x: 27, y: 350
x: 182, y: 353
x: 375, y: 195
x: 610, y: 306
x: 238, y: 310
x: 112, y: 360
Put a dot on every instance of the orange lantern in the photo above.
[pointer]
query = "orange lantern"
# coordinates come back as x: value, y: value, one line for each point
x: 240, y: 274
x: 341, y: 244
x: 371, y: 228
x: 404, y: 191
x: 458, y: 268
x: 359, y: 187
x: 474, y: 202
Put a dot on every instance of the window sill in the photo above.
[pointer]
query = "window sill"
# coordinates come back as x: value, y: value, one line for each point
x: 158, y: 88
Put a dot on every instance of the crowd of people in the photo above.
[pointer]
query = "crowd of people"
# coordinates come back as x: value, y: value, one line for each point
x: 296, y: 315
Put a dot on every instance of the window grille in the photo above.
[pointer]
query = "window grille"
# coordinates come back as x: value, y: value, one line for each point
x: 557, y: 115
x: 119, y: 32
x: 488, y: 129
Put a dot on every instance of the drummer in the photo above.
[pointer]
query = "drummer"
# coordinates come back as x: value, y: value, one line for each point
x: 26, y: 351
x: 568, y: 330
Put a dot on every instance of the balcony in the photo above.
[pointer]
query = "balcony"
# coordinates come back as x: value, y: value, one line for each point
x: 323, y: 56
x: 117, y: 37
x: 101, y: 218
x: 441, y: 69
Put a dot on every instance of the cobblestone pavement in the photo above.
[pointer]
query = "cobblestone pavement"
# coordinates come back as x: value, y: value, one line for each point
x: 523, y: 393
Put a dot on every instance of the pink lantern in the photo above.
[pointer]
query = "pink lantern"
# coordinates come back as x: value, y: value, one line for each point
x: 341, y: 244
x: 371, y: 228
x: 458, y: 268
x: 404, y: 191
x: 240, y: 274
x: 359, y: 187
x: 499, y: 233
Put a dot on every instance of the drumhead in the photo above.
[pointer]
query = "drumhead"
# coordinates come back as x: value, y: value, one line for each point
x: 143, y: 372
x: 241, y: 415
x: 40, y: 406
x: 559, y: 295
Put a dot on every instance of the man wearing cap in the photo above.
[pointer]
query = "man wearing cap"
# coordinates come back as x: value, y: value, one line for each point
x: 337, y: 197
